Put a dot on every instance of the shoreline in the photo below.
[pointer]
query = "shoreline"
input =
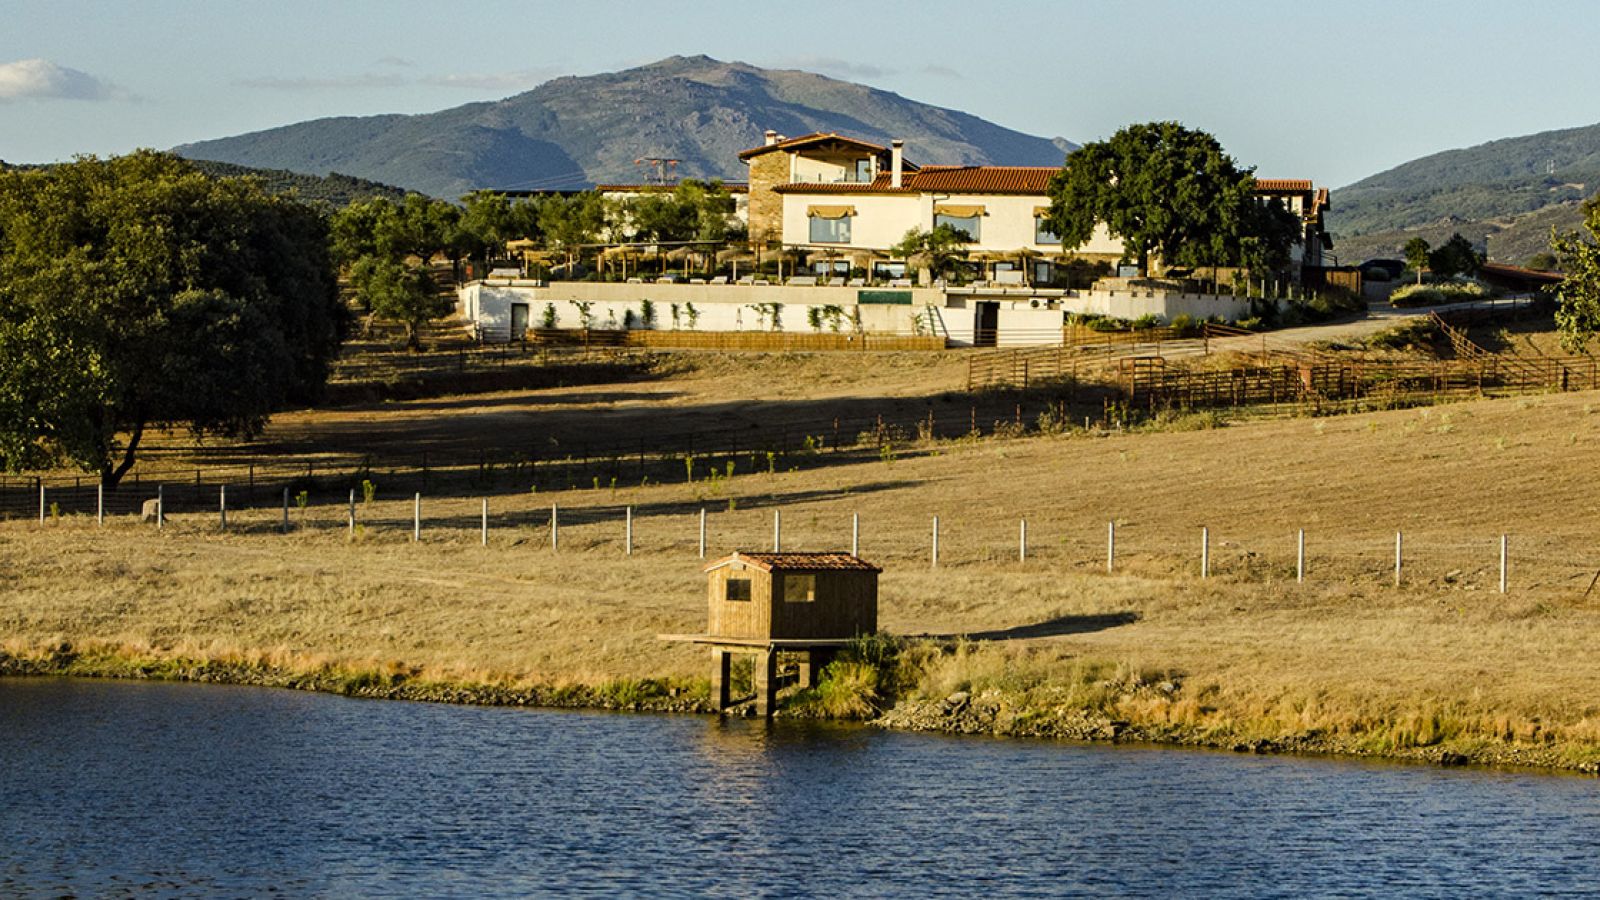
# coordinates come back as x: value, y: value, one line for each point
x: 989, y: 713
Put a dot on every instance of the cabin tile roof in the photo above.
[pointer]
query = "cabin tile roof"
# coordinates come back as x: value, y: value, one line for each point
x: 831, y: 561
x: 984, y: 179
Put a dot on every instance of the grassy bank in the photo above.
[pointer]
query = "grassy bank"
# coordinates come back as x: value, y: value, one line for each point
x: 1345, y: 663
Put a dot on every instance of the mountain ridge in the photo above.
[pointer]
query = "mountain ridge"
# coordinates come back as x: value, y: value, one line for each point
x: 574, y: 131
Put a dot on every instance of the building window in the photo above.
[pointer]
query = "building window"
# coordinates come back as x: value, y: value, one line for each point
x: 1042, y: 234
x: 967, y: 225
x: 737, y: 590
x: 799, y: 588
x: 863, y: 173
x: 830, y: 231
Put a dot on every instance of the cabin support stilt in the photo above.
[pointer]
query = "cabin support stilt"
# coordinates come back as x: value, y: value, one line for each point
x: 765, y: 676
x: 721, y: 674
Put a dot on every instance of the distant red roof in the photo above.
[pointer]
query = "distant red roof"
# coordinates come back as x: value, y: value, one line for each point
x: 942, y: 179
x: 1283, y: 185
x: 800, y: 562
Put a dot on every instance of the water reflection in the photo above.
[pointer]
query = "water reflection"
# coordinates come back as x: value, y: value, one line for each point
x: 190, y: 791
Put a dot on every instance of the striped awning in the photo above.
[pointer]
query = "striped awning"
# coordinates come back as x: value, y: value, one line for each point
x: 830, y: 212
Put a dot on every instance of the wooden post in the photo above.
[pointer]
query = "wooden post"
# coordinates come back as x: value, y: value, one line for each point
x: 721, y: 672
x: 100, y: 502
x: 702, y: 532
x: 1111, y: 547
x: 484, y: 539
x: 765, y: 677
x: 1300, y: 557
x: 41, y: 501
x: 1022, y: 541
x: 1398, y: 546
x: 285, y: 510
x: 935, y: 557
x: 1503, y: 563
x: 777, y: 531
x: 855, y: 534
x: 222, y: 505
x: 161, y: 506
x: 627, y: 534
x: 416, y: 517
x: 1205, y: 552
x: 555, y: 528
x: 352, y: 514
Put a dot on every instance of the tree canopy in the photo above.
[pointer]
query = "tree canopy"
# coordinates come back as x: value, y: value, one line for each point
x: 1418, y: 252
x: 1454, y: 257
x: 1578, y: 317
x: 136, y: 292
x: 1170, y: 191
x: 937, y: 250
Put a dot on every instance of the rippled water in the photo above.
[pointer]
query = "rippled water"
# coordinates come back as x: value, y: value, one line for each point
x: 181, y: 790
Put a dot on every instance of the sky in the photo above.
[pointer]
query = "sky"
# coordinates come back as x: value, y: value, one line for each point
x: 1332, y: 91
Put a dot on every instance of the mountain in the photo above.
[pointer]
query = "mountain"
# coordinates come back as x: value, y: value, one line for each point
x: 576, y: 131
x: 1510, y: 191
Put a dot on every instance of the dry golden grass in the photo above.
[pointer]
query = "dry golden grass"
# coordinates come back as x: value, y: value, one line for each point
x: 1445, y: 655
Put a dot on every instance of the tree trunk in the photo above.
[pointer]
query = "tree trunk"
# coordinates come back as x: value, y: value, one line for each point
x: 111, y: 475
x: 413, y: 336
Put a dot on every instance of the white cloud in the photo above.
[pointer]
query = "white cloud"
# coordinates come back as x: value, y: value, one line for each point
x: 520, y: 81
x: 41, y: 79
x: 839, y: 68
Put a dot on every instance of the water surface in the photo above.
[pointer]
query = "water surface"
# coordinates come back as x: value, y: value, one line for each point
x: 111, y: 788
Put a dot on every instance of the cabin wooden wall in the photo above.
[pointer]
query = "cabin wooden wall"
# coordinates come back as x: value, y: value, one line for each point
x: 846, y: 605
x: 740, y: 619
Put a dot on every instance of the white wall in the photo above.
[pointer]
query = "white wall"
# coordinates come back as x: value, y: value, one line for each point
x: 1025, y: 317
x: 881, y: 220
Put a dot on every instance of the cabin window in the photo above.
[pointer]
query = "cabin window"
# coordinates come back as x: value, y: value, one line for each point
x: 799, y: 588
x: 737, y: 590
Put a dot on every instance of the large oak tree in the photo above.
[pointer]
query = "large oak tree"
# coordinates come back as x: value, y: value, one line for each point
x: 136, y: 293
x: 1171, y: 191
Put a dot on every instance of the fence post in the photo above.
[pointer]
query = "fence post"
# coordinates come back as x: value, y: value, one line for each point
x: 935, y: 557
x: 41, y: 501
x: 1502, y: 564
x: 222, y: 505
x: 161, y: 507
x: 627, y: 534
x: 702, y: 532
x: 1300, y: 557
x: 100, y: 502
x: 1205, y: 552
x: 555, y: 528
x: 1398, y: 546
x: 1111, y: 546
x: 285, y: 510
x: 855, y: 534
x: 1022, y: 541
x: 485, y: 536
x: 416, y: 518
x: 777, y: 531
x: 352, y: 516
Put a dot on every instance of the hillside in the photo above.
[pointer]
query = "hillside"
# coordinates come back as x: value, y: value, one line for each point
x: 1512, y: 190
x: 334, y: 188
x: 575, y: 131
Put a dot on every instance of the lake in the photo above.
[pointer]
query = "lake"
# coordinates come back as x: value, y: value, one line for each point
x: 110, y: 788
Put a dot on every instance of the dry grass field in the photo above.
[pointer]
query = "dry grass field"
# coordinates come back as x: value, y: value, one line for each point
x: 1444, y: 661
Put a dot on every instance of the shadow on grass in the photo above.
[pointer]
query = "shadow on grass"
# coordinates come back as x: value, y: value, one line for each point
x: 1057, y: 627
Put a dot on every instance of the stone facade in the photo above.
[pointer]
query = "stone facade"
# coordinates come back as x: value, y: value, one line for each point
x: 767, y: 171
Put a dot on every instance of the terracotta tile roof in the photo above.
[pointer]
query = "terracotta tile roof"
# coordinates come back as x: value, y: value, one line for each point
x: 819, y: 137
x: 879, y: 185
x: 984, y: 179
x: 1283, y: 185
x: 800, y: 562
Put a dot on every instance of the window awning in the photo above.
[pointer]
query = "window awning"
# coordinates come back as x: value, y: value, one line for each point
x: 1041, y: 211
x: 830, y: 212
x: 957, y: 212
